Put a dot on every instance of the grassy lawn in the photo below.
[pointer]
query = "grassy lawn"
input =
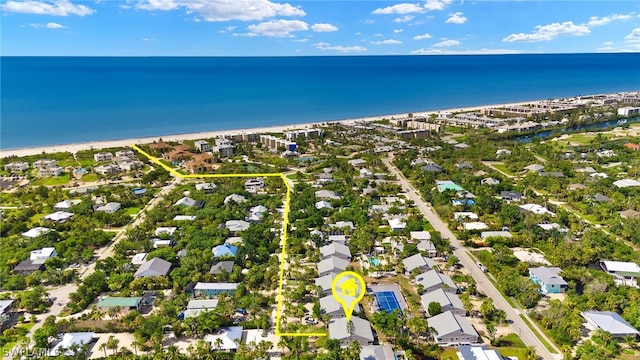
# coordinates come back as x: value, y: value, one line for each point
x: 36, y: 218
x: 53, y: 181
x: 517, y: 352
x: 90, y: 177
x: 542, y: 340
x: 449, y: 353
x: 580, y: 139
x: 8, y: 346
x: 295, y: 177
x: 132, y: 210
x: 503, y: 168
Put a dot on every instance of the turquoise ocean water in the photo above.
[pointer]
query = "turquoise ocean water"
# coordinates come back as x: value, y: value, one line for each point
x: 57, y: 100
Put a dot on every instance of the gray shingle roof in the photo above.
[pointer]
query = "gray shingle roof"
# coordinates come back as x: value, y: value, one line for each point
x: 441, y: 297
x: 447, y: 323
x: 433, y: 278
x: 338, y: 328
x: 218, y: 266
x: 413, y: 262
x: 154, y: 267
x: 335, y: 249
x: 332, y: 263
x: 548, y: 276
x: 330, y: 305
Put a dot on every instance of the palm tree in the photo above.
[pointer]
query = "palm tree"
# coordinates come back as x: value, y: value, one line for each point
x: 112, y: 343
x: 104, y: 346
x: 135, y: 344
x: 96, y: 314
x: 218, y: 343
x: 173, y: 352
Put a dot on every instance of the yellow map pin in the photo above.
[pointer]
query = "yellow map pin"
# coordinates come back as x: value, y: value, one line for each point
x: 348, y: 288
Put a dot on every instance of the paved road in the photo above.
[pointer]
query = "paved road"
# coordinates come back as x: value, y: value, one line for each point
x: 483, y: 283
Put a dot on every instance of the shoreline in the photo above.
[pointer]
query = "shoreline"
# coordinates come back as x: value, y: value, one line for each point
x: 101, y: 144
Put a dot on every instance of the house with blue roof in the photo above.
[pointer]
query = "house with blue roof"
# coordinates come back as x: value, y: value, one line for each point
x: 548, y: 279
x: 224, y: 250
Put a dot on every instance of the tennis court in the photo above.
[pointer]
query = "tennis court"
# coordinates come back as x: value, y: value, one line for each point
x: 387, y: 301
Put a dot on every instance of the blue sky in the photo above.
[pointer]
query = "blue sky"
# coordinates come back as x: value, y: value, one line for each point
x: 305, y: 28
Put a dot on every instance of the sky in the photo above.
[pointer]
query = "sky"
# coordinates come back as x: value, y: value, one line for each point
x: 315, y: 27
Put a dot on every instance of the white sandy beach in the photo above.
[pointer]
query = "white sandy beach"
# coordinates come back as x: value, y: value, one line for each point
x: 75, y: 147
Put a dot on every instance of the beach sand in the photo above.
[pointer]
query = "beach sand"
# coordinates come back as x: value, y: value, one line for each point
x: 75, y: 147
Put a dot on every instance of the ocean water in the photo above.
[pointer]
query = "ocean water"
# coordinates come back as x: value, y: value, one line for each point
x: 57, y: 100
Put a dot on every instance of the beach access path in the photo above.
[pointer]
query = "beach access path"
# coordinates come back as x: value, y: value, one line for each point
x: 103, y: 144
x: 517, y: 324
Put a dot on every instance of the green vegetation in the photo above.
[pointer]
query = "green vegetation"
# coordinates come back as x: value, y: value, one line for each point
x: 542, y: 340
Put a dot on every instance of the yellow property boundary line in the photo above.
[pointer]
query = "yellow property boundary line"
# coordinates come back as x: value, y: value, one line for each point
x: 285, y: 222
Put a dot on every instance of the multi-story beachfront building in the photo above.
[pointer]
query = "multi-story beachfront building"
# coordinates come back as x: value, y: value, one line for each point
x: 202, y: 145
x: 274, y: 143
x: 103, y: 156
x: 16, y: 167
x: 304, y: 134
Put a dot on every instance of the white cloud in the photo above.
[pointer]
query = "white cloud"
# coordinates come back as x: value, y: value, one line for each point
x: 225, y: 10
x: 550, y: 32
x: 397, y: 31
x: 599, y: 21
x: 437, y: 4
x: 55, y: 8
x: 456, y: 18
x: 405, y: 18
x: 465, y: 52
x: 607, y: 43
x: 50, y: 25
x: 404, y: 8
x: 378, y: 35
x: 339, y: 48
x: 447, y: 43
x: 147, y: 39
x: 300, y: 40
x: 422, y: 37
x: 387, y: 42
x: 278, y: 28
x: 634, y: 36
x: 324, y: 28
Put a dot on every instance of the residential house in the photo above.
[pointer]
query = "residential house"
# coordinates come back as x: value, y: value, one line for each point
x: 624, y: 273
x: 235, y: 198
x: 534, y: 167
x: 16, y: 167
x: 123, y: 303
x: 489, y: 181
x: 464, y: 165
x: 325, y: 282
x: 357, y: 162
x: 451, y: 329
x: 160, y: 243
x: 327, y: 194
x: 536, y: 209
x: 629, y: 214
x: 432, y: 168
x: 103, y: 156
x: 553, y: 226
x: 35, y: 232
x: 44, y: 163
x: 66, y: 204
x: 330, y: 306
x: 226, y: 339
x: 610, y: 322
x: 207, y: 188
x: 632, y: 146
x: 236, y: 226
x: 626, y: 183
x: 59, y: 216
x: 377, y: 352
x: 139, y: 259
x: 109, y: 208
x: 189, y: 202
x: 332, y: 264
x: 510, y: 195
x: 199, y: 164
x: 153, y: 267
x: 549, y: 280
x: 362, y: 333
x: 68, y: 341
x: 462, y: 215
x: 184, y: 218
x: 343, y: 225
x: 427, y: 247
x: 576, y: 187
x: 601, y: 198
x: 202, y: 146
x: 28, y: 266
x: 43, y: 254
x: 342, y: 239
x: 197, y: 307
x: 433, y: 280
x: 555, y: 174
x: 448, y: 302
x: 495, y: 234
x: 220, y: 267
x: 475, y: 226
x: 202, y: 289
x: 224, y: 250
x: 365, y: 173
x: 51, y: 171
x: 415, y: 263
x: 106, y: 169
x: 253, y: 185
x: 468, y: 352
x: 225, y: 150
x: 323, y: 205
x: 179, y: 153
x: 503, y: 152
x: 125, y: 154
x: 170, y: 230
x: 336, y: 249
x: 396, y: 224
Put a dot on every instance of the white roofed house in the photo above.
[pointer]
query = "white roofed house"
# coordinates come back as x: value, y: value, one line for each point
x: 415, y: 262
x: 323, y: 205
x: 327, y: 194
x: 66, y: 204
x: 377, y: 352
x: 67, y: 341
x: 202, y: 146
x: 189, y: 202
x: 325, y: 282
x: 610, y: 322
x: 336, y: 249
x: 451, y: 329
x: 165, y: 230
x: 103, y: 156
x: 433, y: 280
x: 106, y: 169
x: 397, y: 224
x: 35, y: 232
x: 44, y: 163
x: 125, y: 153
x: 51, y: 171
x: 207, y: 188
x: 624, y: 273
x: 447, y: 301
x: 236, y: 226
x: 59, y: 216
x: 16, y: 167
x: 225, y: 339
x: 330, y: 306
x: 536, y: 209
x: 362, y: 333
x: 109, y: 208
x: 332, y: 264
x: 357, y: 162
x: 365, y: 173
x: 43, y: 254
x: 236, y: 198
